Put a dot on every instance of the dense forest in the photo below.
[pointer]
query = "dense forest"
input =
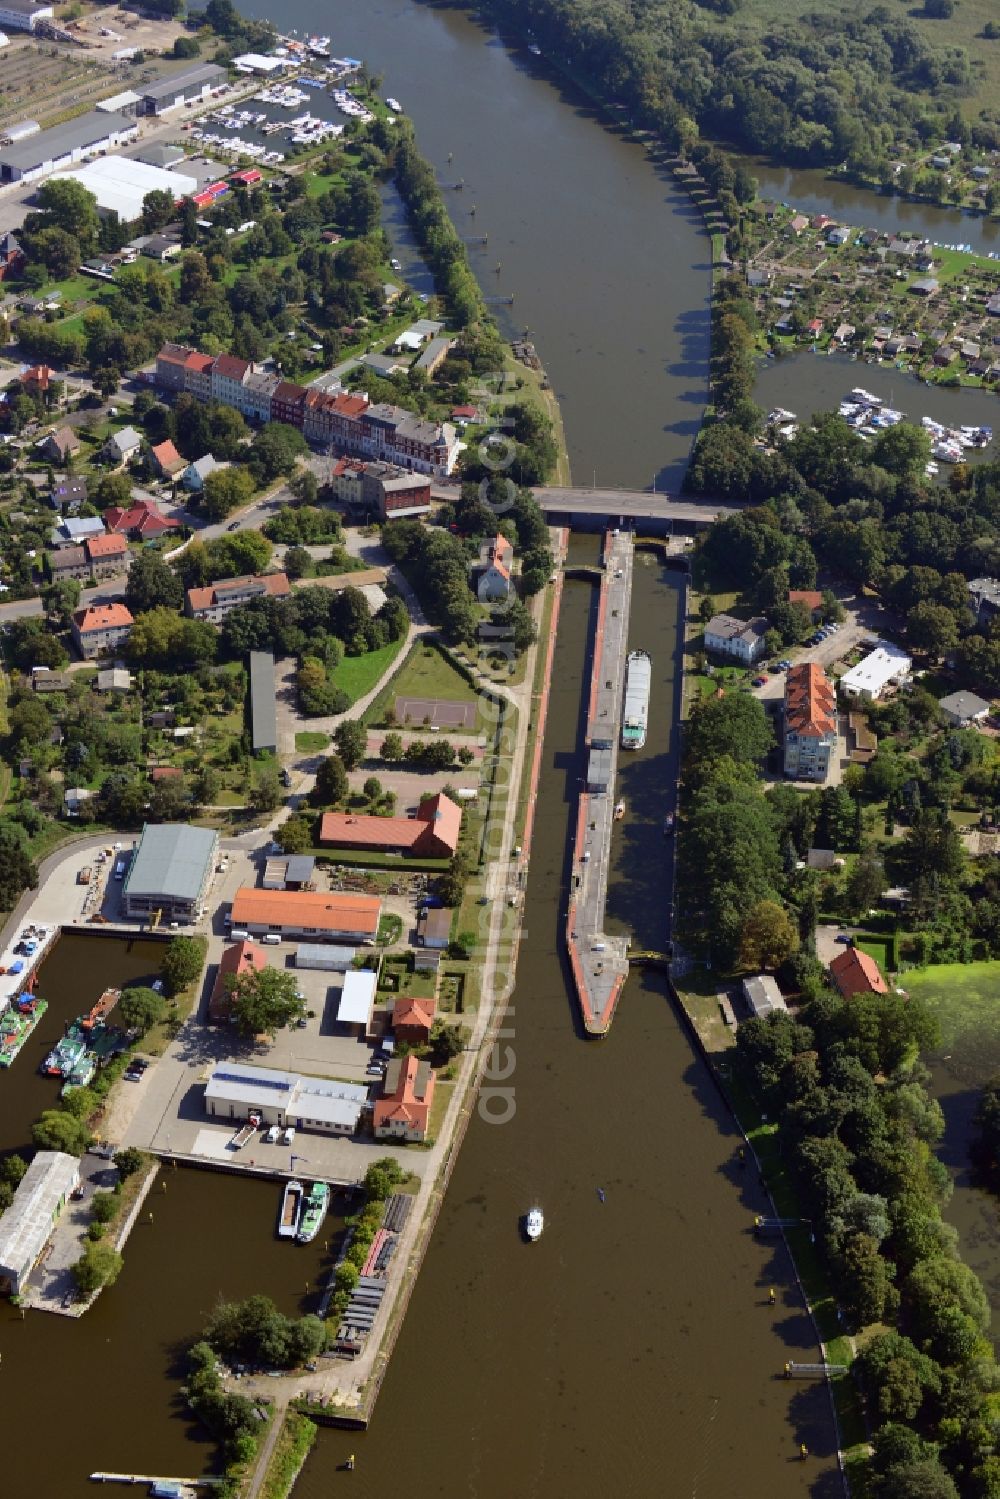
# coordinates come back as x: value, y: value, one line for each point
x: 822, y: 88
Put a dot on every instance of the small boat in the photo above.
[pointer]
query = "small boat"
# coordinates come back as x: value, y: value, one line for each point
x: 291, y: 1209
x: 533, y: 1224
x: 394, y: 104
x: 80, y: 1074
x: 619, y: 811
x: 17, y: 1025
x: 535, y: 50
x: 668, y: 824
x: 66, y: 1054
x: 314, y: 1208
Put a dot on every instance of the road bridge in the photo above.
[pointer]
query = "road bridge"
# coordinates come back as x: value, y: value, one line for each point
x: 647, y: 511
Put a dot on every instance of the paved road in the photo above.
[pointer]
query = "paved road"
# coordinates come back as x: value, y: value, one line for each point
x: 630, y: 504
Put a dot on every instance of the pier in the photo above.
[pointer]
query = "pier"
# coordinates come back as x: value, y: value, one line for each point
x: 599, y: 961
x: 183, y: 1485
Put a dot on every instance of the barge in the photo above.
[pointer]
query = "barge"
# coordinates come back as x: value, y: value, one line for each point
x: 17, y: 1025
x: 638, y: 678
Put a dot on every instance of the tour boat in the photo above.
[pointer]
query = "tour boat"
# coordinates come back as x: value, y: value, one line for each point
x: 314, y: 1208
x: 17, y: 1025
x: 619, y: 811
x: 291, y: 1209
x: 638, y: 678
x: 533, y: 1224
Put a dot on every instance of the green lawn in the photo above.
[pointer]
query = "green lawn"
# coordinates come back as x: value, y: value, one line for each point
x: 965, y: 997
x: 310, y: 740
x: 882, y: 949
x: 426, y: 672
x: 357, y: 675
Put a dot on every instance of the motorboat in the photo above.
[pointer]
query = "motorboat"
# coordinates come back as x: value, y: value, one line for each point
x: 619, y: 811
x: 291, y: 1209
x: 668, y: 824
x: 533, y: 1224
x: 314, y: 1209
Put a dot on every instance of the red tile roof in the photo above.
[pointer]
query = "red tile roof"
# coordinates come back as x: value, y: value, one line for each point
x: 201, y: 364
x: 241, y: 957
x: 230, y: 367
x: 810, y: 704
x: 855, y: 972
x: 275, y: 586
x: 433, y: 833
x: 165, y: 773
x: 102, y: 617
x: 141, y: 517
x: 167, y: 458
x: 413, y: 1014
x: 404, y: 1105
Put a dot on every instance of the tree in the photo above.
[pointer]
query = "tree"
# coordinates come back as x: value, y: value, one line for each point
x: 141, y: 1008
x: 182, y: 963
x: 129, y: 1161
x: 735, y: 725
x: 157, y: 210
x: 152, y: 584
x: 56, y: 1129
x: 451, y: 884
x: 866, y: 881
x: 925, y: 1479
x: 276, y: 449
x: 768, y: 937
x: 948, y: 1308
x: 68, y: 205
x: 351, y: 739
x: 298, y: 562
x: 17, y: 871
x: 932, y: 628
x: 265, y: 1001
x: 392, y: 748
x: 226, y: 490
x: 446, y: 1040
x: 265, y: 793
x: 99, y: 1265
x: 332, y: 785
x: 296, y: 835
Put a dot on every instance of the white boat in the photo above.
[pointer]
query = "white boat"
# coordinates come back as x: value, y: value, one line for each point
x: 638, y: 678
x: 394, y: 104
x: 291, y: 1209
x: 779, y: 414
x: 619, y: 811
x: 533, y: 1224
x: 535, y: 50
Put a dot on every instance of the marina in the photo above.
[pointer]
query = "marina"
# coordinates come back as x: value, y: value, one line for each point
x: 599, y: 961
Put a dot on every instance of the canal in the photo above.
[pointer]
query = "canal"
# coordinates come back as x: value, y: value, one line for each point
x: 111, y: 1382
x: 634, y: 1340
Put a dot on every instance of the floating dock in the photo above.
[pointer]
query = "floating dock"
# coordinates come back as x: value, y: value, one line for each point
x: 599, y: 961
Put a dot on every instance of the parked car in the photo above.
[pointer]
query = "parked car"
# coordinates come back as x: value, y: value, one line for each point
x: 845, y: 938
x: 289, y: 1135
x: 273, y: 1135
x: 759, y: 681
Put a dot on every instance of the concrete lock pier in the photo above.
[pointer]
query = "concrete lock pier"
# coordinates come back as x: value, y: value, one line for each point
x: 599, y: 961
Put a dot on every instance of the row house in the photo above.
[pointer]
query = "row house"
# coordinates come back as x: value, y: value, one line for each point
x: 97, y: 558
x: 331, y: 420
x: 215, y: 601
x: 198, y: 375
x: 100, y: 629
x: 258, y: 392
x: 288, y: 403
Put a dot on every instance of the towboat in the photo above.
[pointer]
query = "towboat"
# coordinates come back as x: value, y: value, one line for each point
x: 291, y: 1209
x: 314, y: 1208
x: 533, y: 1224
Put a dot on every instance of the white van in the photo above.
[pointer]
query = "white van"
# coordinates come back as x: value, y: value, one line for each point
x: 271, y: 939
x: 238, y: 936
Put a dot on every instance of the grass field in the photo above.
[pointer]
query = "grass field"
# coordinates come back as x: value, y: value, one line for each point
x: 424, y: 673
x: 882, y: 949
x: 965, y: 997
x: 310, y: 740
x: 357, y: 675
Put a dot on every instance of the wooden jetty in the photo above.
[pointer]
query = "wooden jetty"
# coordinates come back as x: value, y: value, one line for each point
x: 192, y: 1485
x: 813, y: 1371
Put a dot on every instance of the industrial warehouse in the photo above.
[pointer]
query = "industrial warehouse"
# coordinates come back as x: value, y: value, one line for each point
x: 64, y: 145
x: 170, y: 871
x: 120, y: 183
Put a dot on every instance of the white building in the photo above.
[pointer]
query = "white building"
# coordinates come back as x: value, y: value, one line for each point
x: 763, y: 996
x: 120, y: 183
x: 23, y: 15
x: 64, y: 145
x: 886, y: 665
x: 320, y: 1104
x: 27, y: 1224
x: 742, y: 639
x: 357, y: 1000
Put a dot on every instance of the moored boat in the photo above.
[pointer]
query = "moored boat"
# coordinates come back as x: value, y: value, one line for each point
x: 534, y: 1223
x: 619, y: 811
x: 66, y: 1053
x: 313, y: 1212
x: 80, y: 1074
x: 291, y: 1209
x: 668, y: 824
x: 17, y: 1025
x: 638, y: 678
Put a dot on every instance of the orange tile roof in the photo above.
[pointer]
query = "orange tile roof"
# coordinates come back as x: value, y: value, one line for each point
x: 102, y: 617
x: 416, y: 1013
x: 856, y: 972
x: 105, y: 546
x: 275, y: 586
x: 404, y: 1104
x: 437, y: 825
x: 810, y: 703
x: 319, y: 910
x: 167, y: 456
x: 241, y: 957
x: 811, y: 597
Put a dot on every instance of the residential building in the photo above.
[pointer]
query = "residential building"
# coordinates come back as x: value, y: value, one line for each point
x: 166, y: 460
x: 26, y: 1226
x: 434, y: 926
x: 984, y: 599
x: 392, y: 493
x: 238, y: 958
x: 74, y: 530
x: 318, y: 1104
x: 434, y: 356
x: 962, y: 709
x: 357, y: 1000
x: 182, y: 88
x: 432, y: 834
x: 288, y: 403
x: 194, y: 476
x: 114, y: 679
x: 257, y: 393
x: 11, y: 256
x: 403, y: 1112
x: 100, y: 629
x: 741, y: 639
x: 68, y: 495
x: 810, y: 723
x: 763, y: 996
x: 347, y: 482
x: 170, y: 871
x: 864, y: 743
x: 412, y: 1019
x: 107, y: 556
x: 142, y: 521
x: 263, y: 705
x: 64, y: 145
x: 121, y: 447
x: 229, y: 375
x: 495, y: 561
x: 68, y: 562
x: 60, y: 446
x: 885, y: 666
x: 51, y: 681
x: 37, y: 379
x: 856, y: 972
x: 321, y: 915
x: 811, y: 597
x: 217, y: 600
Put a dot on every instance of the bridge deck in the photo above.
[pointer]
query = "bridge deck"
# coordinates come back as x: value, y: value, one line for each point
x: 599, y: 961
x: 624, y: 505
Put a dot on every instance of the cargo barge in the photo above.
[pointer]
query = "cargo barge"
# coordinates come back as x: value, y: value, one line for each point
x: 638, y: 678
